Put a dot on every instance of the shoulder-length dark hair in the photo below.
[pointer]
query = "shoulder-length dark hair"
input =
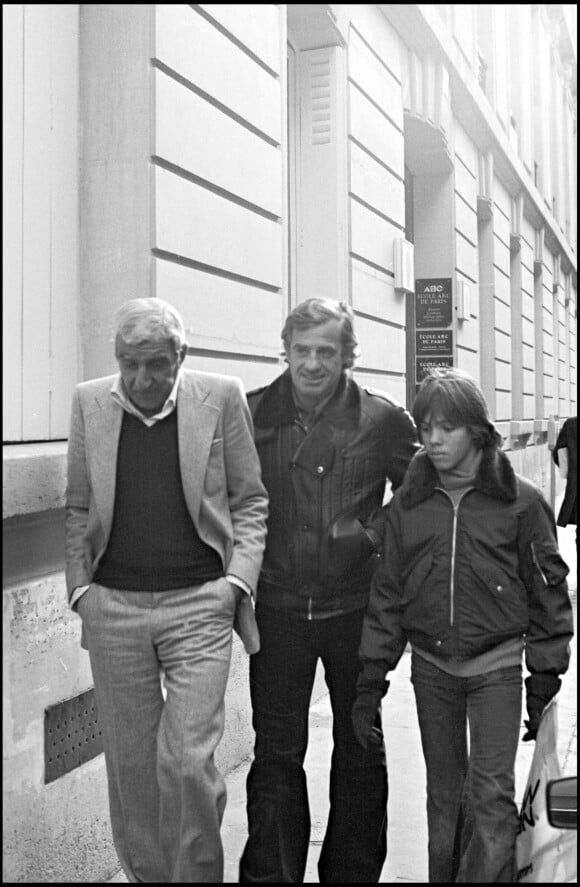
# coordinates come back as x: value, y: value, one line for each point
x: 457, y: 397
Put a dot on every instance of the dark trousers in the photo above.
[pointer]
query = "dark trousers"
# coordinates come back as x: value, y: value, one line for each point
x: 281, y: 680
x: 471, y: 811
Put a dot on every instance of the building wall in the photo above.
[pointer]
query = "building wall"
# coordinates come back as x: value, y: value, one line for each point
x: 59, y: 831
x: 466, y: 247
x: 236, y: 160
x: 528, y: 377
x: 194, y: 179
x: 218, y: 180
x: 179, y: 193
x: 376, y: 197
x: 40, y: 230
x: 511, y: 144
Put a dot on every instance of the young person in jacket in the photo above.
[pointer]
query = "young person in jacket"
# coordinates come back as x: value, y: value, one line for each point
x: 327, y: 447
x: 474, y: 581
x: 165, y: 530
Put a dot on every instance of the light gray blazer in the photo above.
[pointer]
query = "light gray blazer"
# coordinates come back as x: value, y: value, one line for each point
x: 219, y: 466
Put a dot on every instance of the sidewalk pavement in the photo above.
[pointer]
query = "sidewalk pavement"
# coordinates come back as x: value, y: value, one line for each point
x: 407, y: 831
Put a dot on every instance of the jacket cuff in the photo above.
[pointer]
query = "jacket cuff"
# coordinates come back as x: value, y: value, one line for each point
x: 235, y: 580
x: 373, y: 677
x: 77, y: 594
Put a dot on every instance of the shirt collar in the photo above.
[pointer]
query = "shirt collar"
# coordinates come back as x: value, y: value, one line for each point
x: 120, y: 396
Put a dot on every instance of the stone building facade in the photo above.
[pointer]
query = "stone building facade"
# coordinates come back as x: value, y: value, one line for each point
x: 418, y: 161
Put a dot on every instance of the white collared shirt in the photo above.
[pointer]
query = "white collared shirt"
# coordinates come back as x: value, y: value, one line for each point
x: 119, y: 394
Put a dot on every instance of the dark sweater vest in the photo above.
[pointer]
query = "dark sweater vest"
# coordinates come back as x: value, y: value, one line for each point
x: 154, y: 545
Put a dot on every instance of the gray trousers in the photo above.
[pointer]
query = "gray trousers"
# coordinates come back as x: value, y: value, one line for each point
x: 160, y: 663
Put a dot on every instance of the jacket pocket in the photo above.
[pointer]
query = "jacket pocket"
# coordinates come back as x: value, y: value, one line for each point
x: 492, y: 577
x: 502, y: 606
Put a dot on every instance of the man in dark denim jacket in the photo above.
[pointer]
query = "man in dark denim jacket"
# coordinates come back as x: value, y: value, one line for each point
x: 327, y: 448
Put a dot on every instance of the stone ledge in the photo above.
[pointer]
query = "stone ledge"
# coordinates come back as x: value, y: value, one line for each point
x: 504, y: 429
x: 520, y: 433
x: 34, y: 477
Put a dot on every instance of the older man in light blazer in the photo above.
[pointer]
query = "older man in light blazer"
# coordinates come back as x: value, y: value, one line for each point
x: 165, y: 530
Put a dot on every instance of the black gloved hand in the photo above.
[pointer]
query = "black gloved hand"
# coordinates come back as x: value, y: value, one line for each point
x: 364, y: 716
x: 541, y: 687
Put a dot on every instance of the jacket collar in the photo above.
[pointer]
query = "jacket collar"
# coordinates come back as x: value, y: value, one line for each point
x: 495, y: 478
x: 277, y: 406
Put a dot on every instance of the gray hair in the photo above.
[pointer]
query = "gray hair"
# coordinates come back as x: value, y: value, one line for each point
x: 149, y: 320
x: 316, y: 311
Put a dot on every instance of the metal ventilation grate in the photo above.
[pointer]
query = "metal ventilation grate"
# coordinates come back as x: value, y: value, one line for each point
x: 71, y: 735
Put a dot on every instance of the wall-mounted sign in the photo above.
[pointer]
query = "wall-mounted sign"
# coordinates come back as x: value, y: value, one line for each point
x: 426, y: 364
x: 433, y: 342
x: 433, y: 302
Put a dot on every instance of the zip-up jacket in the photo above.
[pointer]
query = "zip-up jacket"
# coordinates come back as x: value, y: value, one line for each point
x: 326, y: 486
x: 457, y: 580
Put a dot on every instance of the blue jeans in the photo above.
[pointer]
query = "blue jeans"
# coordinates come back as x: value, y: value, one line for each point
x: 471, y: 812
x: 281, y: 680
